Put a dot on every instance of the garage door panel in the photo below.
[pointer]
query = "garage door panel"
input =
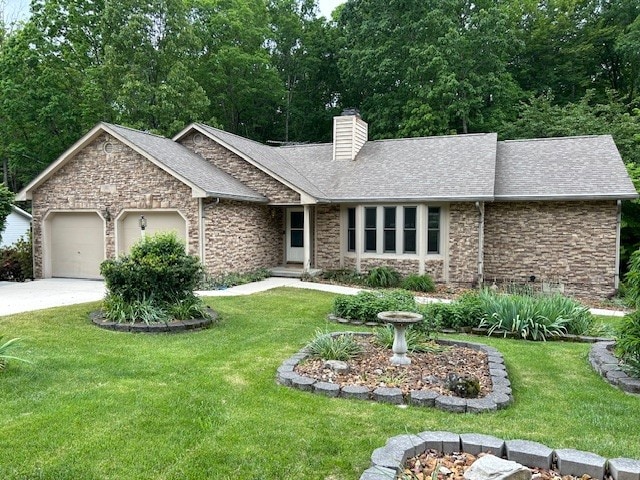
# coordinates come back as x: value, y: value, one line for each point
x: 77, y: 245
x: 157, y: 222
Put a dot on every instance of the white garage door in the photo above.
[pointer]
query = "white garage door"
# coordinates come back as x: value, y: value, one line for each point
x: 77, y: 244
x: 130, y: 232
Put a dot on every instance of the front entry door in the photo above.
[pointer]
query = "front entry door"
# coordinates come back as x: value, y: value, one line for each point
x: 295, y: 235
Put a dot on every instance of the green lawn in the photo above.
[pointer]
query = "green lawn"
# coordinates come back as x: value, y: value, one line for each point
x: 97, y: 404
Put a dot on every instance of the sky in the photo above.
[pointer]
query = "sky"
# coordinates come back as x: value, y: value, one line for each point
x: 17, y: 9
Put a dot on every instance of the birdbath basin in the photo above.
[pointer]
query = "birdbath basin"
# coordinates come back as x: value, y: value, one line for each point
x: 400, y: 322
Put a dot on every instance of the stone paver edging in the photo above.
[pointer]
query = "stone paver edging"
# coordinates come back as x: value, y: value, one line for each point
x: 500, y: 396
x: 606, y: 364
x: 169, y: 327
x: 388, y: 461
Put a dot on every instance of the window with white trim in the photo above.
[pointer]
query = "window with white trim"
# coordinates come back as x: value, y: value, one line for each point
x: 433, y: 230
x: 389, y: 230
x: 370, y: 229
x: 351, y: 229
x: 410, y: 230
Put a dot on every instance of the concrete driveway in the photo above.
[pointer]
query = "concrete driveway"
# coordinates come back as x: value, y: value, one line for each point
x: 18, y: 297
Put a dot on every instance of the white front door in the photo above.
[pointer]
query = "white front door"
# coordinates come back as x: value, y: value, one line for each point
x: 295, y: 235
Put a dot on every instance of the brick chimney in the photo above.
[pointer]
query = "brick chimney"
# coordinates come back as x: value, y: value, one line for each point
x: 350, y: 133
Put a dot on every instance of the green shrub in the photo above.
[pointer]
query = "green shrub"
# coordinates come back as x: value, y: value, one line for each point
x: 334, y: 347
x: 466, y: 311
x: 157, y: 268
x: 187, y: 308
x: 382, y: 277
x: 632, y: 281
x: 419, y: 283
x: 628, y: 344
x: 365, y: 306
x: 145, y: 310
x: 16, y: 261
x: 532, y: 317
x: 232, y: 279
x: 343, y: 275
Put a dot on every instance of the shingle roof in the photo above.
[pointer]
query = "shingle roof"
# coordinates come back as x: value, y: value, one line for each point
x: 188, y: 165
x: 460, y: 167
x: 556, y: 168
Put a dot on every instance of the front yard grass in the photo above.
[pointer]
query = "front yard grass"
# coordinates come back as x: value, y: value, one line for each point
x: 97, y: 404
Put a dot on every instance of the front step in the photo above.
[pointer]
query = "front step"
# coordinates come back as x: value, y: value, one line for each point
x: 288, y: 271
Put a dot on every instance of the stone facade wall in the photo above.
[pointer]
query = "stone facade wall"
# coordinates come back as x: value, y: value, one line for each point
x: 573, y: 243
x: 403, y: 266
x: 94, y: 180
x: 463, y: 243
x: 241, y: 237
x: 242, y: 170
x: 435, y: 269
x: 327, y: 229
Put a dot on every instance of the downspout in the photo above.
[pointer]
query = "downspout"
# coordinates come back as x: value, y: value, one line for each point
x: 201, y: 229
x: 480, y: 208
x: 616, y: 278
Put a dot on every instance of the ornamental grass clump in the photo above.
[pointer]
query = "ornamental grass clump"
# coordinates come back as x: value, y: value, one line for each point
x: 326, y: 346
x: 533, y: 317
x: 4, y: 352
x: 154, y: 283
x: 382, y: 277
x: 628, y: 344
x: 417, y: 340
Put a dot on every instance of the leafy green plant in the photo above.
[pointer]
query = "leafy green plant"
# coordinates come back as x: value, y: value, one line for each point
x: 232, y: 279
x: 343, y: 346
x: 632, y: 281
x: 628, y: 344
x: 188, y: 307
x: 417, y: 341
x: 16, y: 261
x: 5, y: 348
x: 466, y: 311
x: 343, y: 275
x: 145, y: 310
x: 418, y: 283
x: 365, y: 306
x: 382, y: 277
x: 531, y: 317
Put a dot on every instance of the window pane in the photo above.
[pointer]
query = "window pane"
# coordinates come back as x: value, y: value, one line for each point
x: 410, y: 241
x: 351, y: 213
x: 434, y: 217
x: 390, y: 241
x: 409, y: 217
x: 351, y: 241
x: 389, y: 217
x: 297, y: 238
x: 370, y: 240
x: 433, y: 242
x: 297, y: 219
x: 370, y: 217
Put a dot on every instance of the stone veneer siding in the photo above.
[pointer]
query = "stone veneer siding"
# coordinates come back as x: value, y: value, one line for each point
x: 242, y: 236
x: 327, y: 228
x: 93, y: 180
x: 569, y: 242
x: 242, y: 170
x: 463, y: 243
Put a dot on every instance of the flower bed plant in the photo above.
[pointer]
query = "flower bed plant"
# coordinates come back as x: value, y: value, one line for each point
x: 365, y: 306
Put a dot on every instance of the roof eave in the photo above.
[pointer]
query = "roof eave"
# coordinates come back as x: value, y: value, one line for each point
x: 446, y: 198
x: 567, y: 197
x: 240, y: 198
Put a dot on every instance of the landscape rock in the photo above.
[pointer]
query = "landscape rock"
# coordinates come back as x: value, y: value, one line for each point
x: 490, y: 467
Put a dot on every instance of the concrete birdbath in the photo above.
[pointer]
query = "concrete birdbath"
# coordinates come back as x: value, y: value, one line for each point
x: 400, y: 322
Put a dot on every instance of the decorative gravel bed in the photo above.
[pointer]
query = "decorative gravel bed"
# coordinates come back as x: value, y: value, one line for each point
x: 607, y: 364
x: 422, y: 384
x: 404, y: 456
x: 177, y: 326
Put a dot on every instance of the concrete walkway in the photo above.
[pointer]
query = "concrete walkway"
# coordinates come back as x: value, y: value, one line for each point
x: 56, y: 292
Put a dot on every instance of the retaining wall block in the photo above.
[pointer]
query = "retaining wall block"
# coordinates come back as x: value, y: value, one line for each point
x: 624, y: 469
x: 423, y: 398
x: 285, y: 378
x: 475, y: 443
x: 303, y: 383
x: 378, y: 473
x: 481, y: 405
x: 388, y: 395
x: 355, y: 391
x: 529, y: 453
x: 389, y: 457
x: 446, y: 442
x: 451, y: 404
x: 411, y: 444
x: 577, y: 463
x: 326, y: 388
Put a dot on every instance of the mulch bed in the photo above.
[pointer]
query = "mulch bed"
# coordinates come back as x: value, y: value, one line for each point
x: 427, y: 371
x: 453, y: 466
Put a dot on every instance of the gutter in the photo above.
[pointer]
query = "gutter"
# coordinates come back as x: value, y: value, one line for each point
x: 586, y: 197
x: 480, y: 208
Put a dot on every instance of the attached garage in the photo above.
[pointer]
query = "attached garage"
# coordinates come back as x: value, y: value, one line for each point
x: 76, y: 246
x: 129, y: 231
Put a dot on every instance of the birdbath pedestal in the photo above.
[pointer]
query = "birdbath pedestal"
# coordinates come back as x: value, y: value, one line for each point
x: 400, y: 322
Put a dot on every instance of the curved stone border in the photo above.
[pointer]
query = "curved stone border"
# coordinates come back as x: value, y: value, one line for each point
x: 607, y: 364
x: 500, y: 396
x: 388, y: 461
x: 170, y: 327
